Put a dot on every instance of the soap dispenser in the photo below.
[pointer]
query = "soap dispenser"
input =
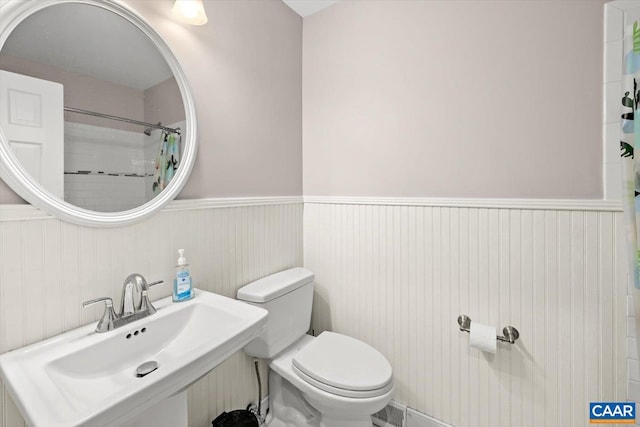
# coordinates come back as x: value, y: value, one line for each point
x: 182, y: 286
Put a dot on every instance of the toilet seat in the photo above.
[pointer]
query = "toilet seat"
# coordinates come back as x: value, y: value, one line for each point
x: 344, y: 366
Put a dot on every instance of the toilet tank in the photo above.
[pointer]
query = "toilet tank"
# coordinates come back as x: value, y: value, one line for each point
x: 288, y: 296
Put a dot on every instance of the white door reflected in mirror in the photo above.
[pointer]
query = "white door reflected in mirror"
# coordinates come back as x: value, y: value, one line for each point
x: 33, y: 123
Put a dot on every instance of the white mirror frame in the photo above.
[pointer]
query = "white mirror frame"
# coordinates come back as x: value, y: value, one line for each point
x: 20, y: 181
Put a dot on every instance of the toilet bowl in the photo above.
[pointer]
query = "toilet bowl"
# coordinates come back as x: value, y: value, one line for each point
x: 332, y: 380
x: 358, y: 396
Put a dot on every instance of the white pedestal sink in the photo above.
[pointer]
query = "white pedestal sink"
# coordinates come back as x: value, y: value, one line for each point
x: 82, y: 378
x: 171, y: 412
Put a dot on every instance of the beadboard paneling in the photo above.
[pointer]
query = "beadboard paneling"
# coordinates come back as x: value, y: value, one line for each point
x: 397, y: 277
x: 48, y: 267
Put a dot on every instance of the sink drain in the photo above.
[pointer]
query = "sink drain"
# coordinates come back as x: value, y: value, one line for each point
x: 146, y: 368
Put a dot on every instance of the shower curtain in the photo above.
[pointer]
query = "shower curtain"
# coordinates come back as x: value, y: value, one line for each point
x: 629, y: 142
x: 167, y: 161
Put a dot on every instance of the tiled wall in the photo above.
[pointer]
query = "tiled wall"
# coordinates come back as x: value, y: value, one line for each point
x: 104, y: 193
x: 49, y: 267
x: 398, y: 276
x: 612, y: 108
x: 111, y: 151
x: 152, y: 145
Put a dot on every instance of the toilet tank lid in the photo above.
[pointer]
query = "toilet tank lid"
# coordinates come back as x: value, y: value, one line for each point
x: 275, y: 285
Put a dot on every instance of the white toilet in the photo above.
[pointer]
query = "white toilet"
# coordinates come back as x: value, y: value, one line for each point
x: 327, y: 381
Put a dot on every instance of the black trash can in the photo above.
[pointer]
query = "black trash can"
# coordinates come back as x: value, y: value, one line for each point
x: 237, y: 418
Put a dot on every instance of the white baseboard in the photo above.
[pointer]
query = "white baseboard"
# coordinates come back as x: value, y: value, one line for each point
x: 418, y: 419
x: 409, y: 417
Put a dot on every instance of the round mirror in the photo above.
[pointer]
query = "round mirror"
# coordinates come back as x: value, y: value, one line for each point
x: 97, y: 124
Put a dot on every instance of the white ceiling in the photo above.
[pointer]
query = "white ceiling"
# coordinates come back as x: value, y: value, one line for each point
x: 91, y: 41
x: 308, y: 7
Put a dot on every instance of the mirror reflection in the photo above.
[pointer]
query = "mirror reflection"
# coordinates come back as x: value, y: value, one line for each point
x: 91, y: 109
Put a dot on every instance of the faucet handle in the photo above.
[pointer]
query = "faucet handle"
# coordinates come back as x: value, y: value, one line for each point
x: 157, y: 282
x: 145, y: 304
x: 106, y: 322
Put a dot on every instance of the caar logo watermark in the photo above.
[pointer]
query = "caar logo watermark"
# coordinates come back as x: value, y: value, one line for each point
x: 612, y: 412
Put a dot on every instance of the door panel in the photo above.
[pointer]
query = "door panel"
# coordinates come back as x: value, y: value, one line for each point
x: 32, y: 118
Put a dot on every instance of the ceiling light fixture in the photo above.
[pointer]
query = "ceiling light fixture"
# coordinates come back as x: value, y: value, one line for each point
x: 190, y: 11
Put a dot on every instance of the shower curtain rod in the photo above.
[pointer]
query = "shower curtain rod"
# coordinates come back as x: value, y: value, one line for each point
x: 122, y: 119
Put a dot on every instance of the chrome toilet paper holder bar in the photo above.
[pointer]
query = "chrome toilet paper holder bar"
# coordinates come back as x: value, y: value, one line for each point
x: 511, y: 334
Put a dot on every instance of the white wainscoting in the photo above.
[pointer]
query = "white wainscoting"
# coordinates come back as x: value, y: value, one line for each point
x: 397, y: 275
x: 48, y: 267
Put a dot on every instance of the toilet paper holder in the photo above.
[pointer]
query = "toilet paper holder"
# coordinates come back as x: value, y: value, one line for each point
x: 511, y: 334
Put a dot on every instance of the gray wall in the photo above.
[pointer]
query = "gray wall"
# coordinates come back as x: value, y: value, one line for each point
x: 245, y: 70
x: 401, y: 98
x: 163, y: 103
x: 453, y: 99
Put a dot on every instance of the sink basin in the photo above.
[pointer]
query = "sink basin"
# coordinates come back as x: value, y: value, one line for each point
x: 89, y: 379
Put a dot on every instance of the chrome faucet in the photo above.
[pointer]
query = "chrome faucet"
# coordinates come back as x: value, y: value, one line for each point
x: 126, y: 300
x: 129, y: 310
